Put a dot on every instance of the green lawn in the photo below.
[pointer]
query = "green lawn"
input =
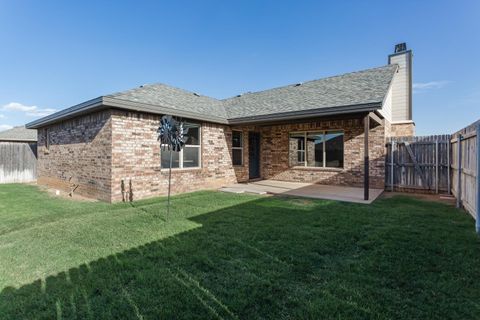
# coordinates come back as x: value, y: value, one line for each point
x: 230, y: 256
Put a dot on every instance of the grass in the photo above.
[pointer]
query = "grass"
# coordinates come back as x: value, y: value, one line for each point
x: 230, y: 256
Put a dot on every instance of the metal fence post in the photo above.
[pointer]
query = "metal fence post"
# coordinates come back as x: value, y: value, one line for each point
x: 392, y: 163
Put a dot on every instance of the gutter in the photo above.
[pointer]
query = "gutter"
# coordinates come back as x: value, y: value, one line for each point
x: 105, y: 102
x: 17, y: 140
x: 369, y: 107
x: 66, y: 113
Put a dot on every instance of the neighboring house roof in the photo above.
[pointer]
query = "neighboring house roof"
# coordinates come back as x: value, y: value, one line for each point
x: 19, y: 134
x: 352, y: 92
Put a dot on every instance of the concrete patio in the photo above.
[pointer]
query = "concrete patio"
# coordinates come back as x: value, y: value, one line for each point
x: 307, y: 190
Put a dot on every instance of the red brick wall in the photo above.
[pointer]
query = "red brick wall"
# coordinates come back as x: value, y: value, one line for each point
x: 402, y: 129
x: 136, y: 158
x: 79, y: 153
x: 275, y: 162
x: 98, y: 151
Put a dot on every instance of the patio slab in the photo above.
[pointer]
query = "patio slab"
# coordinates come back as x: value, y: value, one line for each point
x: 307, y: 190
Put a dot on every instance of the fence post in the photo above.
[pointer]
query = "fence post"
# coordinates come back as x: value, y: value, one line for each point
x: 477, y: 208
x: 436, y: 165
x: 449, y: 187
x: 459, y: 169
x: 366, y: 171
x: 392, y: 163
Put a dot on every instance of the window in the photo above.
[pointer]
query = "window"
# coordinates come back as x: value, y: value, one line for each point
x: 297, y: 149
x: 47, y: 138
x: 191, y: 151
x: 189, y: 156
x: 334, y: 149
x: 316, y: 149
x: 237, y: 148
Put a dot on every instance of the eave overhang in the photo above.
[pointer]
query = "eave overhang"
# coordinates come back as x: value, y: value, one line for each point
x: 311, y: 113
x: 102, y: 103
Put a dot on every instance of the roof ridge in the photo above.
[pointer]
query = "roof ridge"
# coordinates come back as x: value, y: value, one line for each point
x: 160, y: 84
x: 308, y: 81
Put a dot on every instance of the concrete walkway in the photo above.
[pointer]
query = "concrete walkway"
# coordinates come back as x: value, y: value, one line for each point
x: 307, y: 190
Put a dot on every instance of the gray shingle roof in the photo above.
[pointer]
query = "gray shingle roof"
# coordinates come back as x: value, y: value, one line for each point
x: 174, y: 98
x: 19, y: 134
x: 356, y: 88
x: 352, y: 92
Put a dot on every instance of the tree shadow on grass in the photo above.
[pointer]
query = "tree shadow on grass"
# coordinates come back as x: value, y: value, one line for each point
x: 269, y: 258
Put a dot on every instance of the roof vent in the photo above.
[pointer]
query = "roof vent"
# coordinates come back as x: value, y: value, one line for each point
x: 238, y: 95
x: 400, y: 47
x: 298, y: 84
x: 196, y: 94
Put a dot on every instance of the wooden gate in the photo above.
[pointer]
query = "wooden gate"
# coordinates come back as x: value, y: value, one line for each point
x: 418, y: 164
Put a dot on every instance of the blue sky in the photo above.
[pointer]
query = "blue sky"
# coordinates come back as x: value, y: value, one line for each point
x: 55, y: 54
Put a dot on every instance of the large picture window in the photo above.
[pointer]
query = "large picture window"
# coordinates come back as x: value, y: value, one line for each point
x: 316, y: 149
x: 190, y: 155
x: 237, y: 148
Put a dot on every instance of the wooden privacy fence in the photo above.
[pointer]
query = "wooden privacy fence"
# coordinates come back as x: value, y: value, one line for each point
x: 438, y: 164
x: 418, y: 163
x: 465, y: 169
x: 18, y: 162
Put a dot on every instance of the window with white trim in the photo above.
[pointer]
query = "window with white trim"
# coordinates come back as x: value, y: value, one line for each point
x: 323, y: 149
x: 190, y: 155
x: 237, y: 148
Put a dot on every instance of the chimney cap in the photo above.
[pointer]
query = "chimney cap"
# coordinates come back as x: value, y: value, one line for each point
x: 400, y: 47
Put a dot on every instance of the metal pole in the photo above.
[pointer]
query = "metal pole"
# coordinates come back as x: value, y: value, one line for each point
x: 366, y: 172
x: 392, y: 175
x: 477, y: 222
x: 459, y: 169
x: 436, y: 166
x: 169, y: 182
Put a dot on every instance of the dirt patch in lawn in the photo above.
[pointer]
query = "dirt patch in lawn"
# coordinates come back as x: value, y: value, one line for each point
x: 65, y: 195
x: 442, y: 198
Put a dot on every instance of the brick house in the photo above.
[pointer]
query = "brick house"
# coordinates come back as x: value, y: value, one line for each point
x: 326, y: 131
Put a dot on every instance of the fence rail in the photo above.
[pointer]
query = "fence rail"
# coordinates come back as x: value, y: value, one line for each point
x: 18, y: 162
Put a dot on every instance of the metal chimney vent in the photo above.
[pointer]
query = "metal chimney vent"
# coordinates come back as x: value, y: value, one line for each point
x: 400, y: 47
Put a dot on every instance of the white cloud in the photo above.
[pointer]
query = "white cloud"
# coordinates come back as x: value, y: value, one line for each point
x: 40, y: 112
x: 15, y: 106
x: 5, y: 127
x: 2, y: 116
x: 31, y: 111
x: 421, y: 86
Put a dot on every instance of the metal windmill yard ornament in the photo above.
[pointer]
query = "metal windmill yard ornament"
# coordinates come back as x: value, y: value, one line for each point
x: 172, y: 135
